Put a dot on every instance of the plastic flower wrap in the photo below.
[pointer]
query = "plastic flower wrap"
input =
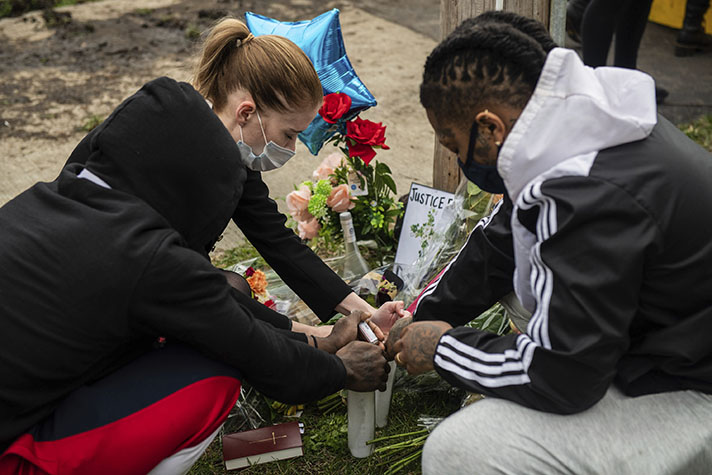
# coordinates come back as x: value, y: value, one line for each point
x: 445, y: 238
x: 275, y: 293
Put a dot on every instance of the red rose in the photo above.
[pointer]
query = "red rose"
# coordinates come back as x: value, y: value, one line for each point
x: 362, y: 135
x: 365, y: 152
x: 366, y: 132
x: 335, y: 106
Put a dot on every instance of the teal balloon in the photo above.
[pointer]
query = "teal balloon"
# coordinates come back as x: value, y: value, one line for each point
x: 321, y: 40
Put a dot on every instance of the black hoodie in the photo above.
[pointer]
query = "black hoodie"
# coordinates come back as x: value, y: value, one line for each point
x: 239, y: 193
x: 92, y: 275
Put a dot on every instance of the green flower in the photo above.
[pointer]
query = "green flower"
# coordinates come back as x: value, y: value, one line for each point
x: 323, y: 187
x: 317, y: 206
x: 377, y: 221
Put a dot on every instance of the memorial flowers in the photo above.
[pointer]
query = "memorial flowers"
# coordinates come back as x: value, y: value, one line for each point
x: 348, y: 180
x: 257, y: 280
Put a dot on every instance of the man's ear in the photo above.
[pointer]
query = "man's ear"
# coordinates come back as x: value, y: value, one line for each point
x: 244, y: 111
x: 491, y: 125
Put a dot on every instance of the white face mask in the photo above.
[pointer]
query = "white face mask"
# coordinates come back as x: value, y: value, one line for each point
x: 273, y: 156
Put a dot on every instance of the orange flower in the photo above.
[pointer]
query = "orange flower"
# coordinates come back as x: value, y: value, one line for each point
x: 308, y: 229
x: 340, y: 199
x: 297, y: 203
x: 327, y: 166
x: 258, y: 282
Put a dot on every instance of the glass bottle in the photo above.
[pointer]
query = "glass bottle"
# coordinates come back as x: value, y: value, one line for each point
x: 355, y: 265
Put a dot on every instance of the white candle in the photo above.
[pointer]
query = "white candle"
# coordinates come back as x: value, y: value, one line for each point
x: 361, y: 422
x: 383, y: 399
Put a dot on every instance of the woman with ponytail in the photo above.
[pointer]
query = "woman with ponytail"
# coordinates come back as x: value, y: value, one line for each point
x: 124, y: 349
x: 265, y: 91
x: 602, y: 234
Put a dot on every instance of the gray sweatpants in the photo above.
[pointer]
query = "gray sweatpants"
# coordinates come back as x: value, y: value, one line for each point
x: 667, y: 433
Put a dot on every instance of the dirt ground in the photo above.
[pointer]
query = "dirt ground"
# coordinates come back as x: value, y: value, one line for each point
x: 55, y: 81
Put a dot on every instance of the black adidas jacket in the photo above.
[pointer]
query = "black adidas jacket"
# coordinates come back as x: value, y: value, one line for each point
x: 607, y: 240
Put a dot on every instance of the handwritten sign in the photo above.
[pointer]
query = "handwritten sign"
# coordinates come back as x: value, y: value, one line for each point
x: 424, y: 203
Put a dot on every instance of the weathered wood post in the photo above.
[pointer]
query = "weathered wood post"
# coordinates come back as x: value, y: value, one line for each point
x: 446, y: 173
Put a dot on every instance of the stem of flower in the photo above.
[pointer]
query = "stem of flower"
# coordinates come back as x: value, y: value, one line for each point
x: 397, y: 436
x: 403, y: 462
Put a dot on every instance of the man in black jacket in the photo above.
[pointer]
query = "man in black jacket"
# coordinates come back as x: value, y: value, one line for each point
x: 604, y: 236
x: 97, y: 265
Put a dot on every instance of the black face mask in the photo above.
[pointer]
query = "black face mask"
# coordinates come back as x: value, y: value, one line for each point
x: 484, y: 176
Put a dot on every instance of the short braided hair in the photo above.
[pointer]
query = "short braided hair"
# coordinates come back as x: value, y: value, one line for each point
x: 490, y: 58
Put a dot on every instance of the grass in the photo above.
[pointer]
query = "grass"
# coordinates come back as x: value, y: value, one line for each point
x: 700, y: 131
x: 325, y: 439
x: 231, y: 257
x: 91, y: 122
x: 192, y: 32
x: 326, y: 442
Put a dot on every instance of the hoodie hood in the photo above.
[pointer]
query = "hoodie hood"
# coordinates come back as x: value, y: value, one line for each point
x: 165, y: 146
x: 575, y: 110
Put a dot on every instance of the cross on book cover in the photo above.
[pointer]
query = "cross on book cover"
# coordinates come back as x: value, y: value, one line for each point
x: 266, y: 444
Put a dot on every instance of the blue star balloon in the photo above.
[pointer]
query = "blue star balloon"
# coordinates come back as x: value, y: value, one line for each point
x: 322, y: 42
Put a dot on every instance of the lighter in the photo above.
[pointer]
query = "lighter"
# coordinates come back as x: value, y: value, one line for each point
x: 366, y: 333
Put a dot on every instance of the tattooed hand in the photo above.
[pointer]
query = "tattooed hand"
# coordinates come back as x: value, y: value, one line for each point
x: 416, y: 346
x: 395, y: 333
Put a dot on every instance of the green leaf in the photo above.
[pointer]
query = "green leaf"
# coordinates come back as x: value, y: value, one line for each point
x: 472, y: 189
x: 390, y: 183
x: 383, y: 168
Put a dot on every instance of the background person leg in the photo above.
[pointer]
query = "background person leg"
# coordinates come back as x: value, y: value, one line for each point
x: 629, y: 33
x: 692, y: 37
x: 599, y: 22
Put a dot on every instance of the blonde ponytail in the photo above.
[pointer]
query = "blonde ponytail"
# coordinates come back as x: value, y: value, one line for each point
x: 275, y: 71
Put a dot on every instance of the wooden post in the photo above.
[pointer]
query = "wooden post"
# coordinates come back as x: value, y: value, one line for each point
x: 446, y: 173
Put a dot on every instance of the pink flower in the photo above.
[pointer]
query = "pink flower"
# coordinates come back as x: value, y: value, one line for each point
x: 297, y: 202
x: 308, y: 229
x: 340, y: 199
x: 327, y: 166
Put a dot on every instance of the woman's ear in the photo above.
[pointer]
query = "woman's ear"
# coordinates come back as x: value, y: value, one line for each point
x: 244, y: 111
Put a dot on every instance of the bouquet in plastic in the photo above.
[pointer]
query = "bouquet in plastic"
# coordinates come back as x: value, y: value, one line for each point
x: 349, y: 180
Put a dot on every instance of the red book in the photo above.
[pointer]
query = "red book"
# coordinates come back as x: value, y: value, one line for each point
x: 266, y: 444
